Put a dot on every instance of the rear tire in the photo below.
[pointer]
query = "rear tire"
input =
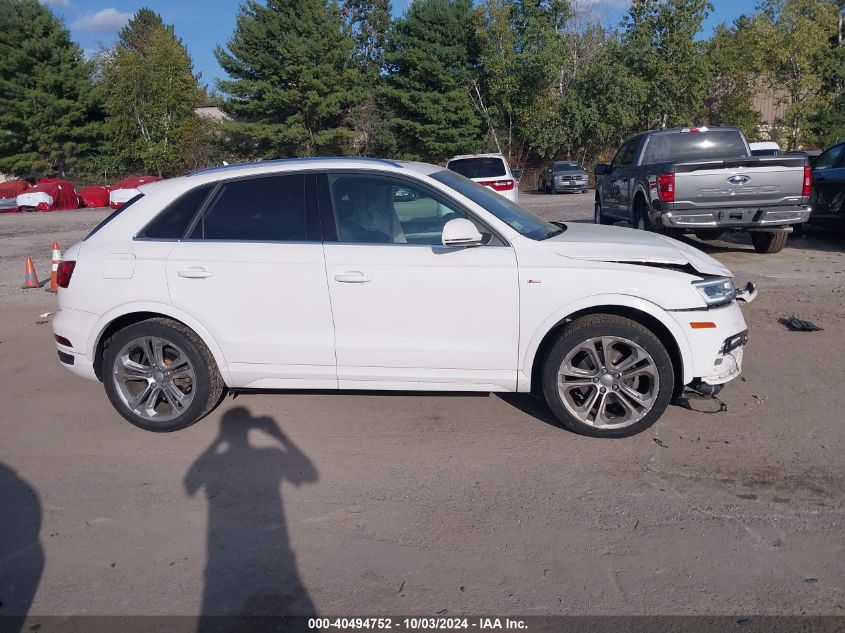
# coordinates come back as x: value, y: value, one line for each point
x: 160, y: 376
x: 769, y: 242
x: 641, y: 220
x: 607, y: 376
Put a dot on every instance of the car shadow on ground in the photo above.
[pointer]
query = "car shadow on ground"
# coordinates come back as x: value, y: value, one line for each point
x: 21, y: 553
x: 251, y: 569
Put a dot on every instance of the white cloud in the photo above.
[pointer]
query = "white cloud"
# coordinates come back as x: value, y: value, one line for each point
x: 56, y: 3
x: 103, y: 21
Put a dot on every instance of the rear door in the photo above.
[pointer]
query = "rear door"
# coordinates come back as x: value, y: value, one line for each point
x: 252, y: 272
x: 829, y: 182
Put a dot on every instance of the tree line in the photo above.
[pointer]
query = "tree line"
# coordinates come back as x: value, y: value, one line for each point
x: 532, y: 79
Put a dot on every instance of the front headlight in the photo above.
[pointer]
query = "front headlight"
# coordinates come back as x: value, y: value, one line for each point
x: 716, y: 291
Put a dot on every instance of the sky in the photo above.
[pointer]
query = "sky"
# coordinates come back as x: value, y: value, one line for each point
x: 203, y: 24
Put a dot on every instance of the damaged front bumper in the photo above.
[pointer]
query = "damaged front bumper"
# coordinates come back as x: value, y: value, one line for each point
x: 717, y: 338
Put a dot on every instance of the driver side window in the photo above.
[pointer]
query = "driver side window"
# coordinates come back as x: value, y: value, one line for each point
x: 830, y: 158
x: 373, y: 209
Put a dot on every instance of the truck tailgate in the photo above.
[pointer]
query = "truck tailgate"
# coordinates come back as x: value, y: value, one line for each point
x: 743, y: 182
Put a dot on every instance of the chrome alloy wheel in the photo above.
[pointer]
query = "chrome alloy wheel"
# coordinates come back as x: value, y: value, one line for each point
x: 154, y: 378
x: 608, y: 382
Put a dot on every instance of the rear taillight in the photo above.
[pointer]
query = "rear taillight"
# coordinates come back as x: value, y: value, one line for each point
x: 65, y: 272
x: 499, y: 185
x: 666, y: 187
x: 808, y: 181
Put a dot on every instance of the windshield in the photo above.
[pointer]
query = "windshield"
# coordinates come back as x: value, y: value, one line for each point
x: 480, y: 167
x: 685, y: 146
x: 520, y: 220
x: 765, y: 152
x: 568, y: 167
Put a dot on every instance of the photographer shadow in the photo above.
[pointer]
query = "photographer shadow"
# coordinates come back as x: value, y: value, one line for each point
x: 250, y: 567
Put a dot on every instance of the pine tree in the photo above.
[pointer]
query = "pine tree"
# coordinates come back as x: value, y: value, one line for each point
x: 430, y: 55
x: 150, y: 91
x: 293, y: 77
x: 49, y: 116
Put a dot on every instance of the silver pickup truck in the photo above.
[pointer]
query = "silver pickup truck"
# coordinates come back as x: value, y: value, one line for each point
x: 705, y: 181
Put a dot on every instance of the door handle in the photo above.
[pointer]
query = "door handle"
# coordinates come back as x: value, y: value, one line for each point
x: 194, y: 273
x: 353, y: 277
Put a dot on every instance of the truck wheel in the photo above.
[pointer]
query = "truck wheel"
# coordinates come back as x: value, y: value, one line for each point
x: 599, y: 217
x: 607, y: 376
x: 769, y: 242
x: 160, y: 376
x: 641, y: 220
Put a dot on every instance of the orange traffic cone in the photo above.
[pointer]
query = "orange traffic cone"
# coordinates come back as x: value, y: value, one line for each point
x: 30, y: 279
x: 54, y: 271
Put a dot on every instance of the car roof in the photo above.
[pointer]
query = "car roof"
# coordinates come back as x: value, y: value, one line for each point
x: 464, y: 156
x: 567, y: 162
x: 688, y: 128
x: 282, y: 165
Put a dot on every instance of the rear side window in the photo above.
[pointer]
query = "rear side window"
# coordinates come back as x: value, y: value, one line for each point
x: 481, y: 167
x: 111, y: 216
x: 687, y: 146
x: 256, y: 209
x: 172, y: 223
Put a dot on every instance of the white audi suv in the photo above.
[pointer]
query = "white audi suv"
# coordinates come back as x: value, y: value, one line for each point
x: 370, y: 274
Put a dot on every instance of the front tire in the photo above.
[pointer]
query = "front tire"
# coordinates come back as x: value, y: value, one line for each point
x: 769, y: 242
x: 160, y: 376
x: 607, y: 376
x: 598, y: 216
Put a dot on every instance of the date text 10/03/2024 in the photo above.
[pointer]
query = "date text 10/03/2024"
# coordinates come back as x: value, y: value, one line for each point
x: 416, y: 624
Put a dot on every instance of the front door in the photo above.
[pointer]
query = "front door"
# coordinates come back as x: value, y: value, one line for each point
x: 252, y: 272
x: 410, y: 313
x: 829, y: 182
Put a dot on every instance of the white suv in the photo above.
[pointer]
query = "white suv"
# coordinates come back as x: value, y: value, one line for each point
x: 488, y: 170
x: 372, y: 274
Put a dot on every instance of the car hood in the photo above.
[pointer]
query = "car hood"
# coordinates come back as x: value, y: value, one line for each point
x: 595, y: 242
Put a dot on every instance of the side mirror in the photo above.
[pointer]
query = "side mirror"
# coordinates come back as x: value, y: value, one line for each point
x: 461, y: 232
x: 517, y: 174
x: 601, y: 169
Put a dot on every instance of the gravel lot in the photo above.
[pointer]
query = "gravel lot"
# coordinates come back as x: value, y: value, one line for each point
x: 412, y: 504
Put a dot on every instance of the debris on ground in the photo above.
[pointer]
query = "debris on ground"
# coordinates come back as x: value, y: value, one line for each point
x: 794, y: 324
x: 660, y: 443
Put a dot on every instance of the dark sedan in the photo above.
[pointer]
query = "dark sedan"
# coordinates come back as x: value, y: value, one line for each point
x: 564, y: 175
x: 828, y: 197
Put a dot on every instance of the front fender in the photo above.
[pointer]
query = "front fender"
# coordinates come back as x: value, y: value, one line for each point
x: 609, y: 301
x: 164, y: 309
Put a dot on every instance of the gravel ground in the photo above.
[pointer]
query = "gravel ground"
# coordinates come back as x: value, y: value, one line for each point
x: 375, y: 503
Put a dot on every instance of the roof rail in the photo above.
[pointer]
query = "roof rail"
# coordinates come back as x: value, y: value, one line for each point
x: 285, y: 161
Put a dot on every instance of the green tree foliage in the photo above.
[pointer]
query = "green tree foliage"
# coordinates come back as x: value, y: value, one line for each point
x: 660, y: 48
x: 368, y: 21
x: 798, y: 35
x: 50, y: 118
x: 294, y: 78
x: 150, y: 91
x: 430, y: 58
x: 735, y: 56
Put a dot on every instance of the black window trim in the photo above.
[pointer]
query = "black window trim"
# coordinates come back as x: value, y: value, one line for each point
x: 327, y: 211
x: 140, y: 237
x: 312, y: 224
